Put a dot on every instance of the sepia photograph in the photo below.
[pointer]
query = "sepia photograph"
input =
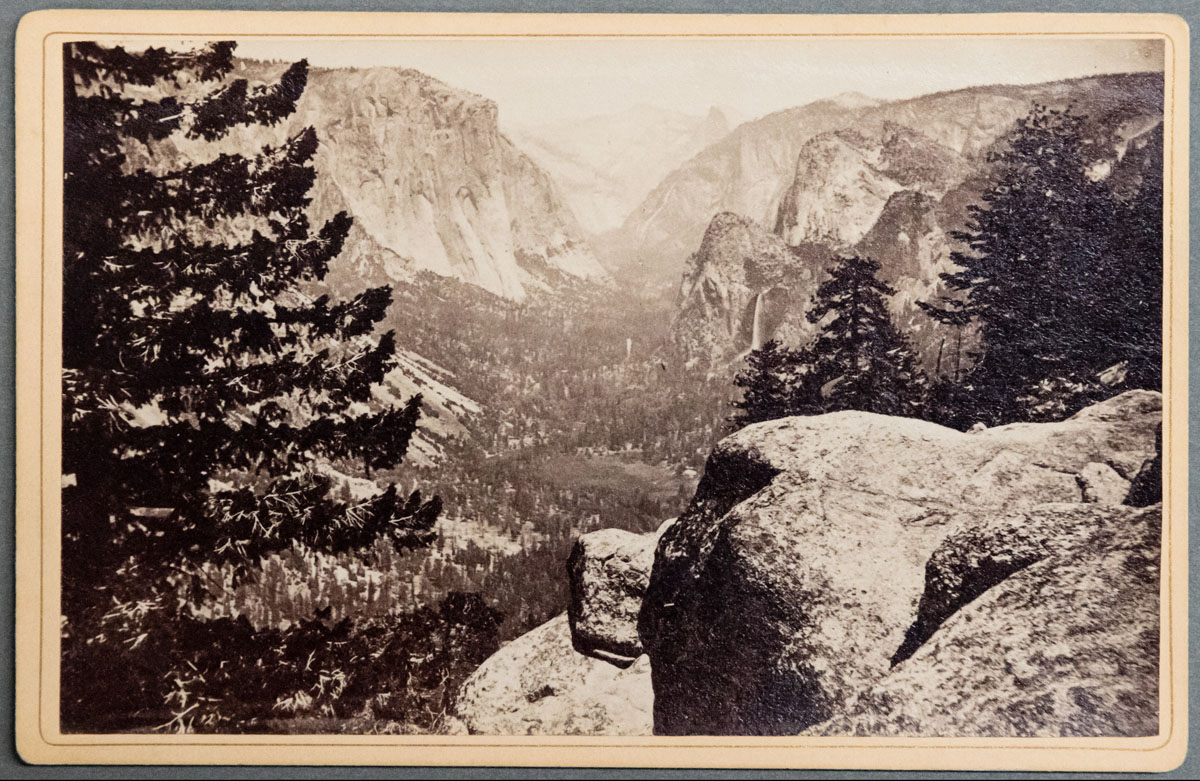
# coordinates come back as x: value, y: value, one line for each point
x: 610, y: 386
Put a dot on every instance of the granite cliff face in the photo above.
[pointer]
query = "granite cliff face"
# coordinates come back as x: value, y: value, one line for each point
x: 824, y: 171
x: 881, y: 189
x: 433, y: 185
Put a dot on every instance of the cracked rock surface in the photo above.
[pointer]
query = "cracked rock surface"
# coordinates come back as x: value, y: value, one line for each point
x: 1042, y: 623
x: 790, y: 583
x: 609, y: 571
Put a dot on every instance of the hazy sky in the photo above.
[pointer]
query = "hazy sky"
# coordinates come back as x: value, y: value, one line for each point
x: 540, y: 80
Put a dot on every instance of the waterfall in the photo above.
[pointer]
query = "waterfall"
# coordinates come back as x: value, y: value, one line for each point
x: 628, y: 348
x: 756, y: 340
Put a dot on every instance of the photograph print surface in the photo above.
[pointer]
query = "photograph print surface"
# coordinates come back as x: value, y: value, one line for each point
x: 612, y: 387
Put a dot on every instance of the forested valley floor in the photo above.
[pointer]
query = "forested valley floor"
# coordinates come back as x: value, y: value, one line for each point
x: 586, y: 422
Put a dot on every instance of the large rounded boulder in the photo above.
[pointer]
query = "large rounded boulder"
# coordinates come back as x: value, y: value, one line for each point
x: 789, y: 584
x: 609, y: 571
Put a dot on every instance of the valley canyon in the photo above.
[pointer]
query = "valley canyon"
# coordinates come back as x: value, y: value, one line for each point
x: 659, y: 510
x: 720, y: 237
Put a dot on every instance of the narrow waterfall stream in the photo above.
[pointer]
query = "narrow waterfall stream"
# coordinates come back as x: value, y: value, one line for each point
x: 756, y: 340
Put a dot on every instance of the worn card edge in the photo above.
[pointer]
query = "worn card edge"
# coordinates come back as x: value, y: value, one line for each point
x: 38, y: 399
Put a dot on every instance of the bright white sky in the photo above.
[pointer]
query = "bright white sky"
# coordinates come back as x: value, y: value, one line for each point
x: 543, y: 80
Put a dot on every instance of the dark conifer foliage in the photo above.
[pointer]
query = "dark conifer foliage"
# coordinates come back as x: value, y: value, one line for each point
x: 768, y: 384
x: 858, y: 361
x: 861, y: 360
x: 1131, y: 316
x: 1062, y: 277
x: 204, y: 374
x: 396, y: 673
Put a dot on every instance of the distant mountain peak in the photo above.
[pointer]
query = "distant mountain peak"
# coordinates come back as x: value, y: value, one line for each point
x: 716, y: 124
x: 715, y: 114
x: 606, y: 164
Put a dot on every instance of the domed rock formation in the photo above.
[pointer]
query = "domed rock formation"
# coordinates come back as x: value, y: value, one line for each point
x: 844, y: 179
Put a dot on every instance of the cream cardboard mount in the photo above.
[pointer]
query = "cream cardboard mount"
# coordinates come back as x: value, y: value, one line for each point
x: 855, y: 589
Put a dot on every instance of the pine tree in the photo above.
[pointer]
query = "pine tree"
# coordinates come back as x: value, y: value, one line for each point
x: 379, y: 437
x: 1033, y: 273
x: 204, y: 373
x: 767, y: 383
x: 860, y: 360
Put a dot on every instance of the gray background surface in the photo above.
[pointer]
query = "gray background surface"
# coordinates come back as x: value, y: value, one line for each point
x: 11, y: 12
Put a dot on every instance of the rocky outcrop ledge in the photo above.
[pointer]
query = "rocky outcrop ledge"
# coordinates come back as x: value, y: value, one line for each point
x: 1042, y: 623
x: 855, y: 574
x: 582, y: 673
x: 609, y: 572
x: 539, y: 685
